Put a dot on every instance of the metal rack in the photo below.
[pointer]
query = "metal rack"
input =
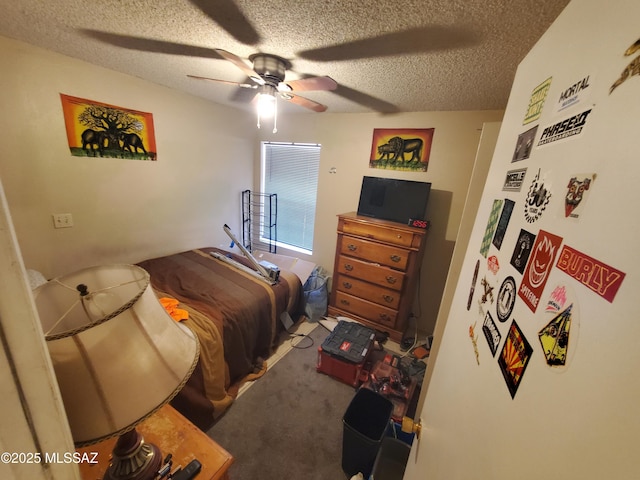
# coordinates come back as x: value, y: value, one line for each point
x: 259, y: 221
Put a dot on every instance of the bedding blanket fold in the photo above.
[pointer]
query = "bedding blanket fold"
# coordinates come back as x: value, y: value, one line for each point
x: 234, y: 315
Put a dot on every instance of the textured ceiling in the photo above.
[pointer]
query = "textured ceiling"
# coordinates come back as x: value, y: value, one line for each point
x: 385, y: 55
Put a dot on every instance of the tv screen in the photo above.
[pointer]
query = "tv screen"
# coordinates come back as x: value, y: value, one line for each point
x: 395, y: 200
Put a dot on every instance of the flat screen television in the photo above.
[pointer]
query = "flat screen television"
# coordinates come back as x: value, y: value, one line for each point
x: 395, y: 200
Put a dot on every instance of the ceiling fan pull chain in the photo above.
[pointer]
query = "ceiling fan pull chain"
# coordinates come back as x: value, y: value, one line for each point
x: 275, y: 114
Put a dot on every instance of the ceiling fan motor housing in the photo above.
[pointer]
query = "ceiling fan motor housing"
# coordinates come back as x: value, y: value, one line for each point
x: 270, y: 67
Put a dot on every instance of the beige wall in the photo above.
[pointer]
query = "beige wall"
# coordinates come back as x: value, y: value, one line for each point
x: 123, y: 210
x: 346, y: 145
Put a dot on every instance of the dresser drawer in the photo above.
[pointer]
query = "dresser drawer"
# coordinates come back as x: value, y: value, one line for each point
x: 367, y: 291
x: 372, y: 273
x: 396, y: 236
x: 390, y: 256
x: 374, y: 312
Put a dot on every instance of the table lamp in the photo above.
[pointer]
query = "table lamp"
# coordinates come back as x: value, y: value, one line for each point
x: 118, y: 357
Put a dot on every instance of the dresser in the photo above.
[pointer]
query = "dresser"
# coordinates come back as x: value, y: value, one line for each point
x: 376, y: 270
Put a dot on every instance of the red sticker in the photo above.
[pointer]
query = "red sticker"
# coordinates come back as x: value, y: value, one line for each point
x: 345, y: 346
x: 597, y: 276
x: 535, y: 277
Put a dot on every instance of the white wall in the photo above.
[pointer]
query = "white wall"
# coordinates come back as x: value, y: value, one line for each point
x: 578, y: 420
x: 346, y: 145
x: 123, y: 210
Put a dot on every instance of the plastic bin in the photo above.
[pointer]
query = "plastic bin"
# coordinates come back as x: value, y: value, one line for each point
x: 391, y: 460
x: 365, y: 423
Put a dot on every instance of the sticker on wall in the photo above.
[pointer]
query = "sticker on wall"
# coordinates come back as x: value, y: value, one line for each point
x: 473, y: 285
x: 574, y: 94
x: 493, y: 264
x: 491, y: 333
x: 406, y: 149
x: 503, y: 223
x: 593, y: 274
x: 514, y: 358
x: 513, y: 180
x: 98, y: 129
x: 558, y: 338
x: 557, y: 300
x: 506, y: 299
x: 577, y: 192
x: 537, y: 199
x: 522, y: 250
x: 632, y: 69
x: 487, y: 295
x: 524, y: 145
x: 536, y: 101
x: 492, y: 223
x: 564, y: 129
x: 474, y: 341
x: 536, y: 274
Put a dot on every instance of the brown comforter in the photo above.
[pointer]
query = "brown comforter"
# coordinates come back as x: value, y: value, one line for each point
x: 235, y: 316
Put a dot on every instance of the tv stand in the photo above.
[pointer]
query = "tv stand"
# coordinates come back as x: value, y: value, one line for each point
x: 376, y: 270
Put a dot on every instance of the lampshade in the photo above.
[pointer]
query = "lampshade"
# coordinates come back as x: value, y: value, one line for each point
x: 117, y: 354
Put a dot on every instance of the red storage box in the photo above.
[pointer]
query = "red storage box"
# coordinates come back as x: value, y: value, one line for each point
x: 345, y: 351
x: 342, y: 370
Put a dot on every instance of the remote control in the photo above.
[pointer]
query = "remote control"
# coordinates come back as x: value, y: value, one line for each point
x: 188, y: 472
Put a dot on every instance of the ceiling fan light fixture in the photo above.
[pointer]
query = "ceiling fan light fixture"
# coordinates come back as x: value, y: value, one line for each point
x: 266, y: 101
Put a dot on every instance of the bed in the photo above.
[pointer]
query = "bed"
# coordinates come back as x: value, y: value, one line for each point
x: 236, y: 317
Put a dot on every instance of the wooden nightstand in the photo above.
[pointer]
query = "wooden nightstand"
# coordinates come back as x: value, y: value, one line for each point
x: 174, y: 434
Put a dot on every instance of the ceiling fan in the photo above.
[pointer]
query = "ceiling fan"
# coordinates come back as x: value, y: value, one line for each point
x: 268, y: 74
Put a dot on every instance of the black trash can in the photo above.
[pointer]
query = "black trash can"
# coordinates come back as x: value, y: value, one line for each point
x: 391, y: 460
x: 365, y: 423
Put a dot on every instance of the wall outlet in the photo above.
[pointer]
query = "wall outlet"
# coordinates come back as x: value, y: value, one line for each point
x: 62, y: 220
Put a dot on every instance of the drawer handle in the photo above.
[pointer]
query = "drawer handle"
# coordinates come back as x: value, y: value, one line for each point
x: 347, y: 285
x: 348, y: 267
x: 385, y: 317
x: 396, y: 258
x: 391, y: 280
x: 388, y: 298
x: 352, y: 247
x: 344, y: 302
x: 399, y: 236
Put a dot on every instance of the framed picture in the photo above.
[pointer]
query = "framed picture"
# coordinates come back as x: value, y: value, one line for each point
x: 97, y: 129
x: 401, y: 148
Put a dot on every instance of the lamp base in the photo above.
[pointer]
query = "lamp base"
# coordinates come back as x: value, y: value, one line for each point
x: 133, y: 459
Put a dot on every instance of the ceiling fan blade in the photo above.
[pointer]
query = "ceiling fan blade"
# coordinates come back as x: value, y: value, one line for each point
x: 304, y: 102
x: 228, y: 16
x: 309, y: 84
x: 242, y: 85
x: 241, y: 64
x: 431, y: 38
x: 150, y: 45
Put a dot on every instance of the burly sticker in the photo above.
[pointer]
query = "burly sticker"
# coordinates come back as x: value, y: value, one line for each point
x: 536, y: 101
x: 540, y: 262
x: 474, y: 341
x: 491, y: 333
x: 537, y: 199
x: 491, y: 227
x: 567, y: 128
x: 514, y: 179
x: 503, y: 223
x: 514, y: 358
x: 524, y: 145
x: 522, y: 250
x: 506, y: 299
x: 632, y: 69
x: 578, y: 190
x: 574, y: 94
x: 593, y: 274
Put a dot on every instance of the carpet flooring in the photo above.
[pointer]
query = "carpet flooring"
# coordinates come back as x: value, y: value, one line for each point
x: 289, y: 423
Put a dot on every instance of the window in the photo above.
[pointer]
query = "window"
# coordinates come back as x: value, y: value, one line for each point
x: 290, y: 170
